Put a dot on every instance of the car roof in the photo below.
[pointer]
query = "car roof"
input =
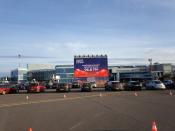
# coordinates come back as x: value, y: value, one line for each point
x: 167, y: 80
x: 155, y: 80
x: 7, y: 85
x: 86, y: 82
x: 133, y: 81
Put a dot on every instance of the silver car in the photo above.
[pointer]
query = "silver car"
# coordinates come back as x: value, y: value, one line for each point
x: 155, y: 84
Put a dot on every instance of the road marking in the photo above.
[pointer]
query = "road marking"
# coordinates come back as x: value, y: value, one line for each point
x: 98, y: 114
x: 76, y: 125
x: 46, y: 101
x: 53, y: 100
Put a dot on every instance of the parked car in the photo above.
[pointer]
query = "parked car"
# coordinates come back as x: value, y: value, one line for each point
x: 8, y: 88
x: 155, y: 84
x: 66, y: 87
x: 93, y: 84
x: 35, y: 87
x: 87, y: 86
x: 114, y: 86
x: 21, y: 86
x: 76, y: 85
x: 49, y: 84
x: 169, y: 84
x: 133, y: 85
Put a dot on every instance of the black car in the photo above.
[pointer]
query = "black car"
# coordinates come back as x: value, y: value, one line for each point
x: 133, y: 85
x: 87, y: 86
x: 169, y: 84
x: 66, y: 87
x: 114, y: 86
x: 75, y: 85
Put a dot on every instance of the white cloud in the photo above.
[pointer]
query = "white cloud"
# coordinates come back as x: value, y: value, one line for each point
x: 169, y: 4
x: 76, y: 47
x: 50, y: 49
x: 161, y: 54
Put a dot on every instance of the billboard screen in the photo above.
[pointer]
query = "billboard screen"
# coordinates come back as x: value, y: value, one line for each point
x: 90, y: 67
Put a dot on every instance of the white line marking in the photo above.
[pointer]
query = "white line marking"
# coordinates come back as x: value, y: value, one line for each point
x: 50, y: 100
x: 76, y: 125
x: 98, y: 114
x: 45, y: 101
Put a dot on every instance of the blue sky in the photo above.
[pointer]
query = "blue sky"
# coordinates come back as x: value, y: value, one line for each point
x: 63, y: 28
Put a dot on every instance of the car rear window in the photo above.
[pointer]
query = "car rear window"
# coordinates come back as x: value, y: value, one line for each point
x: 135, y: 83
x: 7, y: 86
x: 158, y: 82
x: 115, y: 83
x: 86, y: 84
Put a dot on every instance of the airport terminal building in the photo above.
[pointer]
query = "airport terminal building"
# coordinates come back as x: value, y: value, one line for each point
x: 19, y: 75
x: 65, y: 73
x: 92, y: 68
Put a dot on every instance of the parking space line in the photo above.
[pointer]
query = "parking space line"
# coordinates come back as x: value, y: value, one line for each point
x: 46, y: 101
x: 76, y: 125
x: 98, y: 114
x: 55, y: 100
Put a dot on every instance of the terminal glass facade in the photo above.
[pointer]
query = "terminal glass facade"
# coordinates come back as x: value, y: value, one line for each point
x: 19, y: 75
x: 41, y: 75
x: 65, y: 73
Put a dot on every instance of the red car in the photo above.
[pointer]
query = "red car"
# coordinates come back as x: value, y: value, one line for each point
x: 8, y: 88
x: 35, y: 87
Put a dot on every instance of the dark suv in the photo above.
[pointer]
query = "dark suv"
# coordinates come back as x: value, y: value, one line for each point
x: 66, y: 87
x: 114, y: 86
x: 169, y: 84
x: 75, y: 85
x: 87, y: 86
x: 133, y: 85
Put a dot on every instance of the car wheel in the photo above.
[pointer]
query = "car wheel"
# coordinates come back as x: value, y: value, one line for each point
x: 66, y: 90
x: 17, y: 91
x: 38, y: 91
x: 3, y: 92
x: 106, y: 89
x: 82, y: 90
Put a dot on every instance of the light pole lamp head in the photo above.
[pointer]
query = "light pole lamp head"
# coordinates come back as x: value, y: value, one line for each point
x: 19, y: 56
x: 150, y: 59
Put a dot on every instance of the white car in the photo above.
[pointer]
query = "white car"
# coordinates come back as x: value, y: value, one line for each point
x: 155, y: 84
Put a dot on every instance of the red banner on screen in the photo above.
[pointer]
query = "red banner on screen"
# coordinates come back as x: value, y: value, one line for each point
x: 100, y: 73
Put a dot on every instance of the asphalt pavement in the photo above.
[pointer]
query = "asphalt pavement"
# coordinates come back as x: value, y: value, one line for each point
x: 88, y: 111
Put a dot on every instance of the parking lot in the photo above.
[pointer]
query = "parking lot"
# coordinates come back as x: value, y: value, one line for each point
x: 88, y: 111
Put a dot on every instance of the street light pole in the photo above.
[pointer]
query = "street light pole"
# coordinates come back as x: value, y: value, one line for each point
x: 150, y: 61
x: 19, y: 57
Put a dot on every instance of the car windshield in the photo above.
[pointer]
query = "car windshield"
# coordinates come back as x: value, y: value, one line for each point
x: 86, y: 84
x: 12, y: 86
x: 6, y: 86
x: 75, y: 83
x: 158, y: 82
x: 34, y: 84
x: 135, y: 83
x: 167, y: 81
x: 115, y: 83
x: 62, y: 84
x: 3, y: 86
